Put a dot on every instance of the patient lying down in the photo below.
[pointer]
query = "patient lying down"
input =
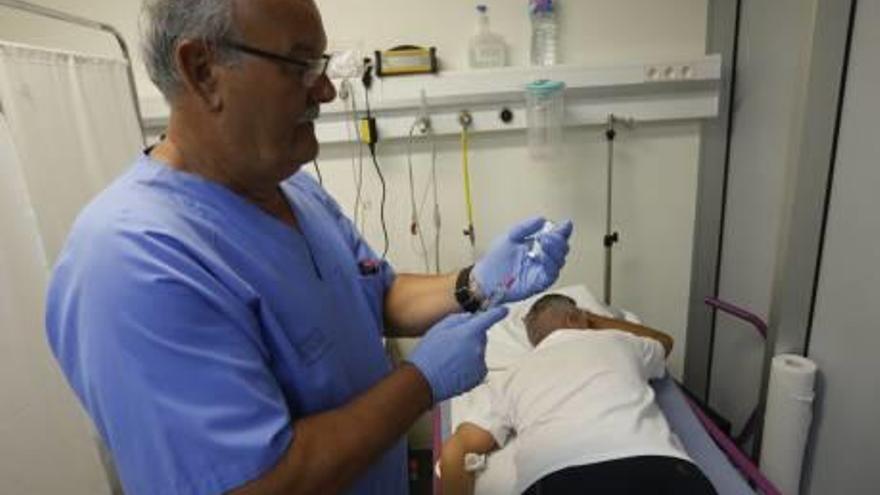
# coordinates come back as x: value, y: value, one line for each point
x: 581, y: 408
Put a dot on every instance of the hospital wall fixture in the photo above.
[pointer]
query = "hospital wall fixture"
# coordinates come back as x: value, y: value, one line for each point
x: 545, y: 113
x: 466, y: 120
x: 591, y: 93
x: 407, y: 60
x: 612, y: 237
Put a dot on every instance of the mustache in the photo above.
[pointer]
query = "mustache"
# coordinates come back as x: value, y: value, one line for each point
x: 311, y: 114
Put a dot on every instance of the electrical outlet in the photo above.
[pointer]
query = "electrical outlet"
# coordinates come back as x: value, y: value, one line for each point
x: 668, y: 72
x: 423, y: 124
x: 344, y: 90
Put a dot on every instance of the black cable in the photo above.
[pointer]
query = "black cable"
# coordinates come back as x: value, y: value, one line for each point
x: 367, y: 78
x: 382, y: 204
x: 367, y: 81
x: 367, y: 97
x: 318, y: 170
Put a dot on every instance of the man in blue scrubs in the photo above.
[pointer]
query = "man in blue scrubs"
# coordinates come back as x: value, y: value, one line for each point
x: 218, y: 316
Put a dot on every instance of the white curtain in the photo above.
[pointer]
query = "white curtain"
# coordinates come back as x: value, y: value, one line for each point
x: 67, y: 127
x: 73, y: 125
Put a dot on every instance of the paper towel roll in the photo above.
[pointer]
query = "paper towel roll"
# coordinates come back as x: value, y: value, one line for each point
x: 787, y: 420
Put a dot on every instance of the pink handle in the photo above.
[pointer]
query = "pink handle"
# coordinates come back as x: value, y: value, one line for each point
x: 437, y: 424
x: 741, y: 313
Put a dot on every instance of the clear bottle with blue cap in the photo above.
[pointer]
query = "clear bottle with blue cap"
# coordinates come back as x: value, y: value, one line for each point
x: 545, y: 32
x: 545, y: 115
x: 487, y: 49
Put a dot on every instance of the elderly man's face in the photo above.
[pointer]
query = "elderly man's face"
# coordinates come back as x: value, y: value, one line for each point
x: 267, y: 107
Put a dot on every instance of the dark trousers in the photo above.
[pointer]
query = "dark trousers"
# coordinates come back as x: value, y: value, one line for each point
x: 634, y: 475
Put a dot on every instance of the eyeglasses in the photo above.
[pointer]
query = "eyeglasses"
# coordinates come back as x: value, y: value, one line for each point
x: 312, y: 69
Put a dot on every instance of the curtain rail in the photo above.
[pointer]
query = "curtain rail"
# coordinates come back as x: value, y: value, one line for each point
x: 42, y: 11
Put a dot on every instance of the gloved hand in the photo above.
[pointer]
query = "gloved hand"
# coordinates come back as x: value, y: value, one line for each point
x: 507, y: 263
x: 452, y: 355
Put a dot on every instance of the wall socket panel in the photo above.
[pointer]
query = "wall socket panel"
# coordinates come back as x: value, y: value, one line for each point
x: 668, y: 72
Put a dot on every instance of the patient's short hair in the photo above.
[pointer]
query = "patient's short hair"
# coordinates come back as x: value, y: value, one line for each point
x: 546, y: 303
x: 550, y: 302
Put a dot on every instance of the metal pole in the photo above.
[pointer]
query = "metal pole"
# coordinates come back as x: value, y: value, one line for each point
x: 39, y: 10
x: 610, y: 238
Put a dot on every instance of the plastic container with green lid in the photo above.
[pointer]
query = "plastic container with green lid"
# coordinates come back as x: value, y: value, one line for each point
x: 545, y: 115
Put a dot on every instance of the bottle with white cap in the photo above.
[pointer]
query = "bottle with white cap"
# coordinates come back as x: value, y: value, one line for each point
x: 487, y: 49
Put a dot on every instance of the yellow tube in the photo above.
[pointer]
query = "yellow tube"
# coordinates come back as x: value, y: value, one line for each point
x: 467, y: 186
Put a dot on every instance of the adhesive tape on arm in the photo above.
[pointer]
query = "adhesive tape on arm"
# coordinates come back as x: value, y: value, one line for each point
x: 474, y: 462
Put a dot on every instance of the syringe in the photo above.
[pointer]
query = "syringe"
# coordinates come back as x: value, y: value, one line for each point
x: 536, y: 251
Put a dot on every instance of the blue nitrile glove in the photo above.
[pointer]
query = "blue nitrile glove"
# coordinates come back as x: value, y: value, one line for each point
x: 452, y: 355
x: 508, y: 265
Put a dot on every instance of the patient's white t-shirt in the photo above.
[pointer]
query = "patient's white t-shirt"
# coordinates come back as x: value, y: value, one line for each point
x: 580, y: 397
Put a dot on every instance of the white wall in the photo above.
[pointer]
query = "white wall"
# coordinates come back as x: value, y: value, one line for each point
x: 592, y: 31
x: 656, y: 172
x: 598, y: 31
x: 845, y: 337
x: 656, y: 165
x: 774, y: 43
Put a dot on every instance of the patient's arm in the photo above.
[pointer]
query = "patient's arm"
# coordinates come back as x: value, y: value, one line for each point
x: 468, y: 438
x: 600, y: 322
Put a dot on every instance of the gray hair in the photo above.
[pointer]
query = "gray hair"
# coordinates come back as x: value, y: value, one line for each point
x: 549, y: 302
x: 168, y: 22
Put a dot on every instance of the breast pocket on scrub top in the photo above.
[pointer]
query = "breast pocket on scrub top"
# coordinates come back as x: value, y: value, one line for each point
x: 308, y: 318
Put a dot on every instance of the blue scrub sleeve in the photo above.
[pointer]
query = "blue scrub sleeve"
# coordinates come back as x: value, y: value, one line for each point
x: 179, y: 382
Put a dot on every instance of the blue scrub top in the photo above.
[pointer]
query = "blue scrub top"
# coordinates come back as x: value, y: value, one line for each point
x: 196, y: 329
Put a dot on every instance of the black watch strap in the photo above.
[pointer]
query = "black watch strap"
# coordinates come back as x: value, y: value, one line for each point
x: 463, y: 293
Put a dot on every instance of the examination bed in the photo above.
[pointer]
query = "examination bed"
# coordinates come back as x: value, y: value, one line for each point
x: 730, y: 471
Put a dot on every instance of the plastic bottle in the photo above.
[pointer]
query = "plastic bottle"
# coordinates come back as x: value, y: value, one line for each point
x: 487, y: 49
x: 545, y: 32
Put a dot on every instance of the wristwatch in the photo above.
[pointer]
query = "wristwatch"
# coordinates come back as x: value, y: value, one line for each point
x: 466, y: 292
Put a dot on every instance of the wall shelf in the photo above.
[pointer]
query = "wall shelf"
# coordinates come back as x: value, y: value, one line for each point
x: 652, y: 91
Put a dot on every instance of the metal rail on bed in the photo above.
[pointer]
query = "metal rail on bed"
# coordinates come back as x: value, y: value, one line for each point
x: 58, y: 15
x: 739, y: 459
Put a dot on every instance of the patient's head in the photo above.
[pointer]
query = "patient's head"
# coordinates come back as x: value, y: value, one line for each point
x: 550, y: 313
